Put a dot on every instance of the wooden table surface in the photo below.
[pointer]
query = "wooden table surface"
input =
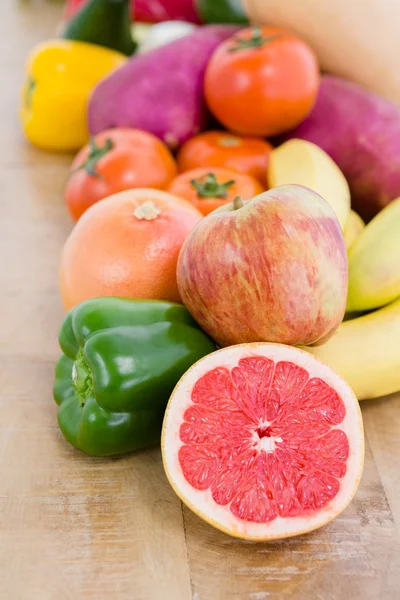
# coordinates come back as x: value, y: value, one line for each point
x: 73, y: 527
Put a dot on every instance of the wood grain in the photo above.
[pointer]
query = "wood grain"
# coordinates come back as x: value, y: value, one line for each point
x: 77, y: 527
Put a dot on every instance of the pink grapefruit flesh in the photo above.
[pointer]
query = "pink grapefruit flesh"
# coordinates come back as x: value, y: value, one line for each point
x: 263, y: 441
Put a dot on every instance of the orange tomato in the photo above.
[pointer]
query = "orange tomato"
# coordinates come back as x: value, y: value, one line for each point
x: 127, y: 246
x: 117, y: 160
x: 247, y: 155
x: 262, y: 81
x: 208, y: 189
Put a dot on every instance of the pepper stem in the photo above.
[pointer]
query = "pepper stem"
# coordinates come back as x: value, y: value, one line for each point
x: 209, y: 186
x: 257, y: 40
x: 237, y: 203
x: 95, y: 154
x: 82, y: 378
x: 30, y: 89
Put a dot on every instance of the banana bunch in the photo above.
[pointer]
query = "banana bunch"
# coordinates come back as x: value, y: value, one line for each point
x: 365, y: 350
x: 374, y: 262
x: 353, y: 228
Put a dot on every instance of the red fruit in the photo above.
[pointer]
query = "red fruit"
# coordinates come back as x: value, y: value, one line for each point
x: 274, y: 270
x: 263, y: 441
x: 116, y: 160
x: 72, y: 7
x: 222, y: 149
x: 152, y: 12
x: 210, y: 188
x: 262, y: 81
x: 165, y: 10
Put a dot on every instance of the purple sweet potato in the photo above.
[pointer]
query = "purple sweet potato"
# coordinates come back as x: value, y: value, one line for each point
x: 160, y: 91
x: 361, y: 132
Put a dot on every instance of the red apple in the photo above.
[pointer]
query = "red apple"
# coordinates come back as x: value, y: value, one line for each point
x: 273, y: 269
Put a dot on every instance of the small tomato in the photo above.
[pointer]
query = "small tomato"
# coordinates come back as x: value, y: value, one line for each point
x: 262, y: 81
x: 246, y: 155
x: 210, y: 188
x: 114, y: 161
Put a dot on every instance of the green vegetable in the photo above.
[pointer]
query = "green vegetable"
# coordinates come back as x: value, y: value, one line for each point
x: 121, y: 360
x: 105, y: 23
x: 221, y: 11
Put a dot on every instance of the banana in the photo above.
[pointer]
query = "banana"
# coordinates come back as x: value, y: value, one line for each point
x: 366, y: 352
x: 304, y: 163
x: 354, y: 227
x: 374, y: 262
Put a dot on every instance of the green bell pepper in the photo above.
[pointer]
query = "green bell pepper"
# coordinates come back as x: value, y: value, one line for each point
x: 121, y: 360
x: 104, y: 23
x: 221, y: 11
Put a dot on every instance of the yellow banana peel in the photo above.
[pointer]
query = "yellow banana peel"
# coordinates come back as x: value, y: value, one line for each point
x: 374, y: 262
x: 354, y: 227
x: 366, y: 352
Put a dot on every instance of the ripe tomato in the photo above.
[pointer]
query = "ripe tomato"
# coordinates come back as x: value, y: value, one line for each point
x: 127, y: 246
x: 117, y: 160
x: 221, y: 149
x: 208, y: 189
x: 262, y: 81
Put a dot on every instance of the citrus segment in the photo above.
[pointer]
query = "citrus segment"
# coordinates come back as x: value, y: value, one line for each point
x: 263, y: 442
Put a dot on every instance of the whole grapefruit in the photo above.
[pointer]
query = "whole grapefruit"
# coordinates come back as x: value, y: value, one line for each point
x: 127, y: 245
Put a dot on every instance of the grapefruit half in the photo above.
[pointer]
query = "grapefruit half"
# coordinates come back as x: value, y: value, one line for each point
x: 263, y: 441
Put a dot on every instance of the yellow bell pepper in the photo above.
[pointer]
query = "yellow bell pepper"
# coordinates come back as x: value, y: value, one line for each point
x: 60, y: 77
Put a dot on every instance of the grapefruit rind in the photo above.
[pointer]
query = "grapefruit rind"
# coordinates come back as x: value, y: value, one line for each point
x: 202, y: 503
